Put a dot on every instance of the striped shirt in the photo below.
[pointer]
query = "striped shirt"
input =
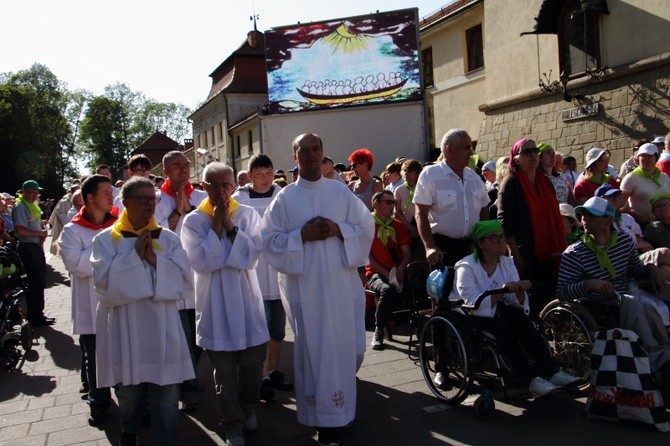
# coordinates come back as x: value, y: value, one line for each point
x: 579, y: 264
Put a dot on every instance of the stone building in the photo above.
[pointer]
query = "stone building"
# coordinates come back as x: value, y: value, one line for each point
x: 571, y: 73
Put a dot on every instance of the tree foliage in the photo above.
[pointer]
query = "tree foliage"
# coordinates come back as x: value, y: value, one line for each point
x: 34, y: 133
x: 46, y: 129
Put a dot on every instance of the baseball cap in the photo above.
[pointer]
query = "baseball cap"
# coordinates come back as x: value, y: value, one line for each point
x: 567, y: 211
x: 279, y: 171
x: 489, y: 165
x: 596, y: 206
x: 606, y: 190
x: 659, y: 140
x: 544, y: 147
x: 657, y: 197
x: 647, y: 149
x: 593, y: 154
x: 294, y: 170
x: 31, y: 185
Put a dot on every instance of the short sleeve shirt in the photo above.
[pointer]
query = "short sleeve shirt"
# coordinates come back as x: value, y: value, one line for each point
x: 455, y: 203
x: 22, y: 217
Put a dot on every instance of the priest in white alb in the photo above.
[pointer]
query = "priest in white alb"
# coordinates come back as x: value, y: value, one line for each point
x: 140, y: 272
x: 317, y: 233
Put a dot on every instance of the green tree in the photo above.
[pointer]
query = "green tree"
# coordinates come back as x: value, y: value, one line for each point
x: 104, y: 134
x: 34, y: 133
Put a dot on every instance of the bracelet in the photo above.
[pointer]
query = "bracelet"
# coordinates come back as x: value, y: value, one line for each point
x: 176, y: 212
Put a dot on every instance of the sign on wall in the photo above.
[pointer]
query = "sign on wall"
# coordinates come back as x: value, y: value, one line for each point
x: 353, y: 61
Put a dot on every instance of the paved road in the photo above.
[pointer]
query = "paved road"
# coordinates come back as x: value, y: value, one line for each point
x: 40, y: 404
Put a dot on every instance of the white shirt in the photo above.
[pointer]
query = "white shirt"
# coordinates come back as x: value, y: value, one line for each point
x: 455, y: 204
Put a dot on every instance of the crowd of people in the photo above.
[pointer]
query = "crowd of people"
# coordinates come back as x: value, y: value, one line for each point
x: 163, y: 270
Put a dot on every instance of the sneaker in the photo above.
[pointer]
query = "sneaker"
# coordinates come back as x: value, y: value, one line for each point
x: 251, y: 423
x: 440, y: 379
x: 562, y: 379
x: 542, y: 387
x: 378, y: 339
x: 267, y: 392
x: 328, y: 436
x: 278, y: 381
x: 234, y: 436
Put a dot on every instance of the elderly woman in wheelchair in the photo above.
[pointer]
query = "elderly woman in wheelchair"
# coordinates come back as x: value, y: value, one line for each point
x: 484, y: 325
x: 506, y: 315
x: 600, y: 271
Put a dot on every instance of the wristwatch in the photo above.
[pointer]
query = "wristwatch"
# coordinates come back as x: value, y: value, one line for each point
x: 233, y: 232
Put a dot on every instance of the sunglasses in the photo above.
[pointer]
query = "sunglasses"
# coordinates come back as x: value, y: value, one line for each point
x: 529, y: 150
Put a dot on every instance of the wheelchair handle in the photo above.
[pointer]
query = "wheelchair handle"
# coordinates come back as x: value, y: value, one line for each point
x: 483, y: 296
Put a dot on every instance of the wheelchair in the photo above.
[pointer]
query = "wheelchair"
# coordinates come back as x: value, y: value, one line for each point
x: 570, y: 329
x: 458, y: 359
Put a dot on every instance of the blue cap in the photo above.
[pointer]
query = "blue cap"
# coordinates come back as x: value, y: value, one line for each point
x: 596, y: 206
x: 606, y: 190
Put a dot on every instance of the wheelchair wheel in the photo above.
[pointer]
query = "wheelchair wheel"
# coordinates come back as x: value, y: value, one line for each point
x: 9, y: 357
x: 569, y: 329
x: 26, y: 336
x: 445, y: 358
x: 485, y: 406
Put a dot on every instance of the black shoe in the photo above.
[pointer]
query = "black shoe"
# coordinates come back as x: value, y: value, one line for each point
x: 83, y: 388
x: 96, y: 420
x: 128, y: 439
x: 278, y: 382
x: 328, y: 436
x: 267, y: 392
x: 42, y: 322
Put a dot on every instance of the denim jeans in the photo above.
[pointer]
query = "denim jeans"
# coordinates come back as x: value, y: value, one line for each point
x: 163, y: 404
x: 98, y: 398
x: 389, y: 298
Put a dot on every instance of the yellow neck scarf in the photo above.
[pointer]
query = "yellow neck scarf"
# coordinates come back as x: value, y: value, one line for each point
x: 123, y: 225
x: 207, y: 207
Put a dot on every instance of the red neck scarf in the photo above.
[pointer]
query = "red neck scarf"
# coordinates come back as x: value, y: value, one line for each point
x: 110, y: 218
x: 545, y: 219
x: 166, y: 188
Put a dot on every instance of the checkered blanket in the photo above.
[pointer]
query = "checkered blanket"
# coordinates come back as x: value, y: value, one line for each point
x: 623, y: 386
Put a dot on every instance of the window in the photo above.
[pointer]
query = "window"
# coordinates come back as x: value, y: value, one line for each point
x: 250, y: 139
x: 198, y: 145
x: 427, y: 64
x: 578, y: 37
x: 213, y: 138
x: 221, y: 131
x: 238, y: 147
x: 205, y: 145
x: 475, y: 48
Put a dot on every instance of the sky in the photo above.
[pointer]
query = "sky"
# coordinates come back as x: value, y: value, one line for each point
x: 164, y: 49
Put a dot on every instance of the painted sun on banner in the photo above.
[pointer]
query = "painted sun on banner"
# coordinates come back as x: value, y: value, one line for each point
x: 354, y: 61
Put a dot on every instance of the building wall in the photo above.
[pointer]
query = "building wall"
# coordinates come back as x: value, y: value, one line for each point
x: 456, y: 94
x: 207, y: 128
x: 632, y: 97
x: 634, y: 105
x: 241, y: 162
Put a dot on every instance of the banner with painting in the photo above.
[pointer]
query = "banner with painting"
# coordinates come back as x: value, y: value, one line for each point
x: 354, y: 61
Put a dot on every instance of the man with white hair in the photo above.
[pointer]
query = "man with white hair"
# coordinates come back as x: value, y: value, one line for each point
x: 223, y: 241
x: 450, y: 198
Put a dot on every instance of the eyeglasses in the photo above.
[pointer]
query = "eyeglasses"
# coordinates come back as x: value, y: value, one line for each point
x: 222, y: 186
x: 495, y: 238
x: 139, y: 170
x: 146, y: 200
x: 529, y: 150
